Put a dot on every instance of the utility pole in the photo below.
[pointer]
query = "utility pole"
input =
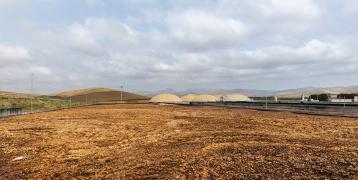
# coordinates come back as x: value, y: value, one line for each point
x: 121, y: 94
x: 266, y: 102
x: 70, y: 101
x: 32, y: 92
x: 344, y: 103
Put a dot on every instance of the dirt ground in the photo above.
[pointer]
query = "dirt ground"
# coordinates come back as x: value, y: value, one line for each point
x: 177, y: 142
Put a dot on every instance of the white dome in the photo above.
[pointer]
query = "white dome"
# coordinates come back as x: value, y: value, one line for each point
x: 166, y: 98
x: 219, y: 97
x: 188, y: 97
x: 205, y: 98
x: 236, y: 98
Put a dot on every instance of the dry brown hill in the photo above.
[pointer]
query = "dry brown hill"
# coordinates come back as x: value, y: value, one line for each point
x: 82, y: 91
x: 92, y: 95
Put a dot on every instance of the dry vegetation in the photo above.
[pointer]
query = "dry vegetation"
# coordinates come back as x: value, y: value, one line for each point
x: 82, y: 91
x: 147, y: 141
x: 40, y: 103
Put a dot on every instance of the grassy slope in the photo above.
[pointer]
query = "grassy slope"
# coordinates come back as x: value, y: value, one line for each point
x: 39, y: 102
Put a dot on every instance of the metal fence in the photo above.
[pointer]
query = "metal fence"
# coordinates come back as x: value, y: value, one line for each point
x: 10, y: 112
x: 19, y: 111
x: 350, y: 110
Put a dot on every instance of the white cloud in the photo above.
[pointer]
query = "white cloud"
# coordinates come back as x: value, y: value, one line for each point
x: 40, y: 70
x: 351, y: 6
x: 13, y: 4
x: 9, y: 3
x: 296, y: 9
x: 95, y: 34
x: 95, y: 2
x: 82, y: 39
x: 273, y: 16
x: 311, y: 53
x: 12, y: 54
x: 108, y: 28
x: 199, y: 28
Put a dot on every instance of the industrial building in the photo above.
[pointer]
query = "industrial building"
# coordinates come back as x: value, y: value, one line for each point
x: 333, y: 98
x: 337, y: 98
x: 341, y: 100
x: 166, y: 98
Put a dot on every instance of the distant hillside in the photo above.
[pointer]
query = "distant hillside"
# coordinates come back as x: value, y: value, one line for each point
x: 92, y: 95
x: 248, y: 92
x: 254, y: 92
x: 314, y: 90
x: 16, y: 95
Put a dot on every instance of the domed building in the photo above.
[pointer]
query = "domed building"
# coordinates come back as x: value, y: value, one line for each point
x: 219, y: 97
x: 188, y: 98
x: 236, y: 98
x: 166, y: 98
x: 205, y: 98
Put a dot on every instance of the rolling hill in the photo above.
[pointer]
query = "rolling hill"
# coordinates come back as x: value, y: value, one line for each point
x: 82, y: 91
x: 16, y: 95
x: 92, y: 95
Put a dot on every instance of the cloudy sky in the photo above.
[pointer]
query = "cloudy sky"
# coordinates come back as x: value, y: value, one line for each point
x: 179, y: 44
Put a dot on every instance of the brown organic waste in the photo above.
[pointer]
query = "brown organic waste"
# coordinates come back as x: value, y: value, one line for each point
x: 177, y: 142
